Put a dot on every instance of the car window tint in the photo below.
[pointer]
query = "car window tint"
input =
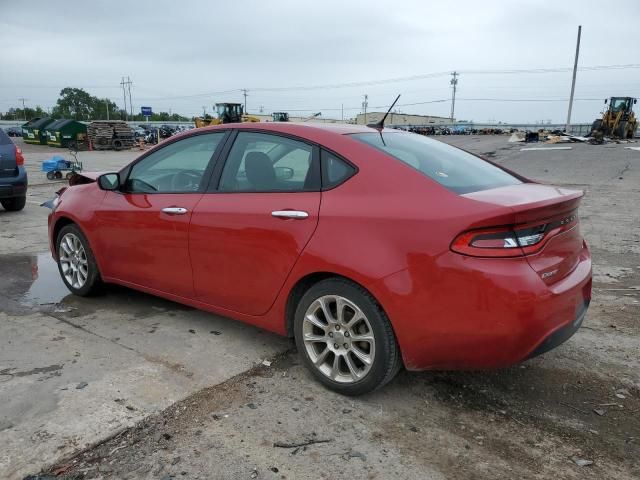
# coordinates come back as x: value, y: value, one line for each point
x: 451, y: 167
x: 334, y: 170
x: 178, y: 167
x: 260, y: 162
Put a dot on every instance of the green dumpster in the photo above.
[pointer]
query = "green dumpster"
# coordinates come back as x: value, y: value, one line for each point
x: 66, y: 133
x: 33, y: 130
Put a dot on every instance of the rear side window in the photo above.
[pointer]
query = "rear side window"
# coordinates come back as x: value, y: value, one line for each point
x: 334, y: 170
x: 451, y: 167
x: 4, y: 138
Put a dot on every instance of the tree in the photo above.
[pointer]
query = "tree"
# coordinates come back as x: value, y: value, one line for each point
x: 75, y: 103
x: 18, y: 113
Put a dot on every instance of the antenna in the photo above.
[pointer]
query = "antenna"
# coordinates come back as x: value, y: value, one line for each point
x: 380, y: 125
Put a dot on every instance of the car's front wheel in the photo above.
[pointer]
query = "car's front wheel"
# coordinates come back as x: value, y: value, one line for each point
x: 345, y: 338
x: 76, y: 263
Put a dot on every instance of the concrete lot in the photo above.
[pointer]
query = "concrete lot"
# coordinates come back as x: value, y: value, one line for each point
x: 138, y: 356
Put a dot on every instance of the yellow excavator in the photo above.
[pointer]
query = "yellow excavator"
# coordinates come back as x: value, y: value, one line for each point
x: 227, y: 113
x: 618, y: 120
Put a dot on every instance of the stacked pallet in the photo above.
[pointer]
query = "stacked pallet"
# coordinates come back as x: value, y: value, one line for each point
x: 107, y: 135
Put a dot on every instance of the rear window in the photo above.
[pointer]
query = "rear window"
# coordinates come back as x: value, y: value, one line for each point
x: 451, y: 167
x: 4, y: 138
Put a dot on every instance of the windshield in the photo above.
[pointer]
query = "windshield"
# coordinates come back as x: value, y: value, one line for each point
x: 619, y: 103
x: 451, y: 167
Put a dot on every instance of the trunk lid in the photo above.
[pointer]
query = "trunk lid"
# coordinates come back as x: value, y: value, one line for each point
x: 534, y: 205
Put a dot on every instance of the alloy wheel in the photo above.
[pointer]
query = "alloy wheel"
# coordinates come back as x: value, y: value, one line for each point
x: 73, y: 261
x: 338, y: 339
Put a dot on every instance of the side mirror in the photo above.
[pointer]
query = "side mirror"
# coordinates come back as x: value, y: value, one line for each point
x: 284, y: 173
x: 109, y: 181
x: 635, y: 100
x: 605, y: 101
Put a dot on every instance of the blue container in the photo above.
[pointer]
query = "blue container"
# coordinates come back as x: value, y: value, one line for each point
x: 55, y: 163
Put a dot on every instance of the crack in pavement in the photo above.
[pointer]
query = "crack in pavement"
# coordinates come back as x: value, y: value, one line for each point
x: 174, y: 367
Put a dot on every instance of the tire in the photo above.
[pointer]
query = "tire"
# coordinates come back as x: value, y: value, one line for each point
x: 51, y: 175
x: 58, y: 175
x: 349, y: 374
x: 72, y: 256
x: 14, y: 204
x: 597, y: 125
x: 621, y: 130
x: 69, y: 175
x: 117, y: 144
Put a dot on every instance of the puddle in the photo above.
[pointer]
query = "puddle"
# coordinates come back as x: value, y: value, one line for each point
x: 29, y: 281
x: 47, y: 286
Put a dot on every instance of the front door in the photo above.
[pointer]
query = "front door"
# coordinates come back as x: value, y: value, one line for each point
x: 247, y: 233
x: 144, y: 228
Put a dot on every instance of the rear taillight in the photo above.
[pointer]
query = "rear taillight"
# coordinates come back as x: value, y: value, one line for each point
x: 512, y: 241
x: 19, y: 157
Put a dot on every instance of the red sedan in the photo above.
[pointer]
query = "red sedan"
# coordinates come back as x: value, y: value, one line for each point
x: 375, y: 249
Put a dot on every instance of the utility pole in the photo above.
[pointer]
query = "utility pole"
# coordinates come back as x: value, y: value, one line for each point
x: 342, y: 111
x: 24, y: 110
x: 106, y: 104
x: 365, y: 104
x: 124, y: 97
x: 130, y: 102
x: 204, y: 110
x: 244, y: 93
x: 573, y: 81
x: 454, y: 84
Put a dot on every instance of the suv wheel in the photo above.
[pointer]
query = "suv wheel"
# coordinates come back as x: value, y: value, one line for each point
x: 76, y: 263
x: 345, y: 338
x: 14, y: 204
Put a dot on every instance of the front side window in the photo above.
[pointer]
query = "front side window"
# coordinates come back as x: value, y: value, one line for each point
x: 177, y: 168
x: 260, y: 162
x: 451, y: 167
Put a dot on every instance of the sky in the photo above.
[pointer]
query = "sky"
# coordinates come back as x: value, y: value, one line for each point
x: 324, y: 56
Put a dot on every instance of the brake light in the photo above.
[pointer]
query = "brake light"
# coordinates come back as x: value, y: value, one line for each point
x: 512, y: 241
x: 19, y: 157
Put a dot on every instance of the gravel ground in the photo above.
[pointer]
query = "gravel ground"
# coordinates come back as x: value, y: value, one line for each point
x: 572, y: 413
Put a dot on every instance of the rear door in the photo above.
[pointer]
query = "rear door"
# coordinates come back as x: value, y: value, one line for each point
x: 144, y: 228
x: 248, y: 231
x: 7, y: 156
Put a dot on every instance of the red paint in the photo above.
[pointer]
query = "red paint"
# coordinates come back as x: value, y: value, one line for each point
x: 387, y: 228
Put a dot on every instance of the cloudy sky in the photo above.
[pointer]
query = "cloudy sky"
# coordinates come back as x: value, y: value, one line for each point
x: 297, y: 56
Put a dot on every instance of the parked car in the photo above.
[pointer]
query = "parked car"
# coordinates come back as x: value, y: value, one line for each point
x: 13, y: 131
x: 13, y: 176
x: 374, y: 249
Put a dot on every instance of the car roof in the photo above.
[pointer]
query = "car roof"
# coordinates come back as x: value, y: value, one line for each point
x: 298, y: 128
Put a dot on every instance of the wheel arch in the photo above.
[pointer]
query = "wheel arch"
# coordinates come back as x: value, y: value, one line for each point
x: 61, y: 222
x: 305, y: 283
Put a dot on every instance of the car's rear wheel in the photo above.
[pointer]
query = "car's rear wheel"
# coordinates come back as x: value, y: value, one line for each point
x: 345, y: 338
x: 76, y: 263
x: 13, y: 204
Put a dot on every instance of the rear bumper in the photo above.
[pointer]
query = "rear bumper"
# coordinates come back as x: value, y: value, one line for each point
x: 15, y: 186
x: 468, y: 313
x: 563, y: 334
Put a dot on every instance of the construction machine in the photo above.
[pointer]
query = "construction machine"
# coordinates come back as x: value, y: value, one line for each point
x: 280, y: 116
x: 227, y: 113
x: 618, y: 120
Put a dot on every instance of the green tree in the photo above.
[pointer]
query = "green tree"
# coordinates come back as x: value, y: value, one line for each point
x: 17, y: 113
x: 75, y: 103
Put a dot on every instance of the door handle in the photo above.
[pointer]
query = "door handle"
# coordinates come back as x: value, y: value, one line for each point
x: 174, y: 210
x: 297, y: 214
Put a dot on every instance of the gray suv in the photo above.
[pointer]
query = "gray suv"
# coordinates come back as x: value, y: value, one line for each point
x: 13, y: 176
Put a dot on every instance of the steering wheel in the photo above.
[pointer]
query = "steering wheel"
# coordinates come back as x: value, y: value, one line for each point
x: 185, y: 181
